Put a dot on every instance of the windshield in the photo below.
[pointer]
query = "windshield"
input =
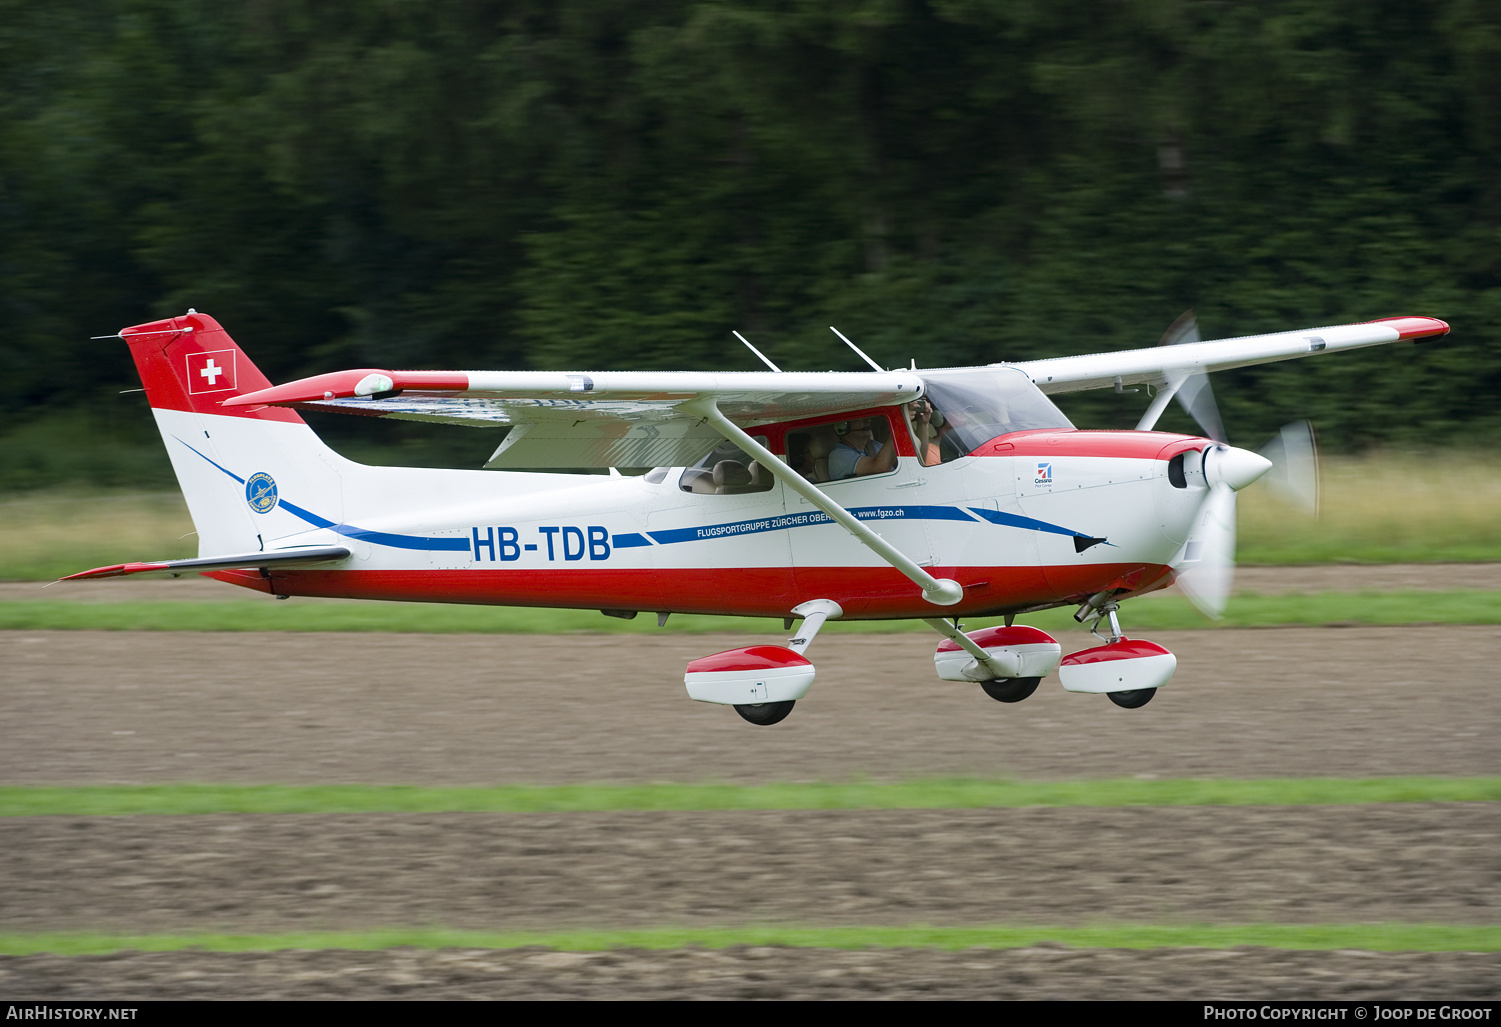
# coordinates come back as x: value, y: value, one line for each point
x: 972, y: 407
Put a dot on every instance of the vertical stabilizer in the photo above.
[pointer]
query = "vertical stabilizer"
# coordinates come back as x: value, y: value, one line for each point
x: 254, y: 478
x: 190, y: 363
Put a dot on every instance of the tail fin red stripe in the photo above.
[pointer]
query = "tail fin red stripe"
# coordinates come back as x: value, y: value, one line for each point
x: 190, y: 363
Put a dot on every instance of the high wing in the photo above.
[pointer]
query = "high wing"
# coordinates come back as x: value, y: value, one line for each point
x: 1155, y: 365
x: 595, y: 419
x: 654, y: 418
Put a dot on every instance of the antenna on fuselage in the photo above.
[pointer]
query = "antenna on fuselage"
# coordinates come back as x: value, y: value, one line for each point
x: 757, y: 352
x: 857, y: 349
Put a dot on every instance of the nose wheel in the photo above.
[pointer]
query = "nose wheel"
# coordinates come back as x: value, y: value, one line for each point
x: 1010, y: 689
x: 766, y: 713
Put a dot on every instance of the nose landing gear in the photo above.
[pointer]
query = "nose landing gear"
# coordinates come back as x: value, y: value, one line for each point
x: 1133, y: 698
x: 1129, y: 670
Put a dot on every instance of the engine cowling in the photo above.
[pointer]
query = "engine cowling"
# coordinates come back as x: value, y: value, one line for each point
x: 1022, y: 651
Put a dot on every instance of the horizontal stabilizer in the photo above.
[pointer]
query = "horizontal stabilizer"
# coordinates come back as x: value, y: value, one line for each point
x: 278, y: 558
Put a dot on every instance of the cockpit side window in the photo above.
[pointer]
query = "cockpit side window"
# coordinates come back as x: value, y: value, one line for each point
x: 851, y: 448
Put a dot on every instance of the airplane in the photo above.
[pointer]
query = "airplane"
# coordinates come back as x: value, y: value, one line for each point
x: 937, y: 494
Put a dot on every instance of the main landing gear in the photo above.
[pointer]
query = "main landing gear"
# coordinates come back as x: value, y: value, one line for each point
x: 1010, y: 689
x: 1006, y: 662
x: 762, y: 682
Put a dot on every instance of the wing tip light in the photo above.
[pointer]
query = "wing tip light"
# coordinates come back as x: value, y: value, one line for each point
x: 1410, y: 327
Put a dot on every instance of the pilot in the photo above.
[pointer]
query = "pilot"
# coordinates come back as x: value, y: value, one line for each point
x: 952, y: 441
x: 925, y: 424
x: 858, y: 452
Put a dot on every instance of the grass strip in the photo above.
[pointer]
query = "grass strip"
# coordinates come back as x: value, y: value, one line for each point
x: 179, y: 799
x: 1168, y: 613
x: 1380, y: 937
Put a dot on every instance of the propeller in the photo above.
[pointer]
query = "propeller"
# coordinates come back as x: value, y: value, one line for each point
x: 1192, y: 388
x: 1294, y: 477
x: 1205, y: 567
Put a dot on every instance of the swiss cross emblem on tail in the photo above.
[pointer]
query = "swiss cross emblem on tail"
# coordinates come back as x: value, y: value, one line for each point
x: 211, y: 372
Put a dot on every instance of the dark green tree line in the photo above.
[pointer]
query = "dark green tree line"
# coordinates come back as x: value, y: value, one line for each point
x: 595, y: 184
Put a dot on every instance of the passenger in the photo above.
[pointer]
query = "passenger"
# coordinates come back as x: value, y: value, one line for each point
x: 820, y: 444
x: 858, y: 452
x: 800, y: 454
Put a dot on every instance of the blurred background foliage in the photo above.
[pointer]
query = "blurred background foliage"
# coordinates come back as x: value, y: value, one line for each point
x: 602, y: 184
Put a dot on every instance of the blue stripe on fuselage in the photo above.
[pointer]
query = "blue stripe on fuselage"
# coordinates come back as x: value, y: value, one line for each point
x: 381, y: 538
x: 1016, y: 521
x: 783, y: 522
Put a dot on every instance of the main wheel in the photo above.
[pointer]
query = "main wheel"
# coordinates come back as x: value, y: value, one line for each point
x: 1132, y: 699
x: 1010, y: 689
x: 766, y: 712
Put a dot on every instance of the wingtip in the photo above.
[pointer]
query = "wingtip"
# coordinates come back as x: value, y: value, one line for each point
x: 1413, y: 327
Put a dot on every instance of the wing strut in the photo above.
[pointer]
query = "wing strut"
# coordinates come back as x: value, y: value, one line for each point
x: 1165, y: 391
x: 938, y: 591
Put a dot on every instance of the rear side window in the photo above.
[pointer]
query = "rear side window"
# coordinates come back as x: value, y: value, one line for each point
x: 726, y: 470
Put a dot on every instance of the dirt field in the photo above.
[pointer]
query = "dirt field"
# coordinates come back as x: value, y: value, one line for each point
x: 1421, y: 863
x: 1041, y: 972
x: 467, y: 709
x: 94, y: 707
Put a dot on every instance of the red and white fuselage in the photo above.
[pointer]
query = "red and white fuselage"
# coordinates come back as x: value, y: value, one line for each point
x: 885, y: 495
x: 1026, y: 519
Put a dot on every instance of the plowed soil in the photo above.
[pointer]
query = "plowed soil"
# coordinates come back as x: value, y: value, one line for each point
x: 472, y: 709
x: 84, y: 707
x: 1042, y: 972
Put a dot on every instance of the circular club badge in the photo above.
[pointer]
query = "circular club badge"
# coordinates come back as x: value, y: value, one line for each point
x: 260, y: 492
